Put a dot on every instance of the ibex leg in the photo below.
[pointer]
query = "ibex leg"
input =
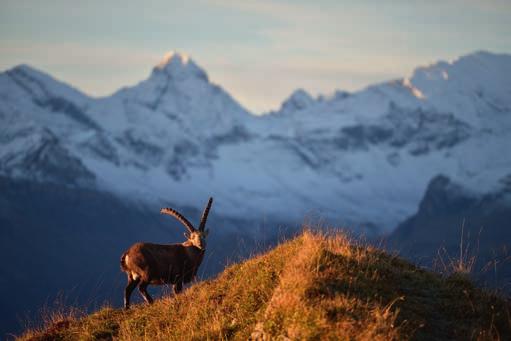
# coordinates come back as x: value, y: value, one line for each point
x: 143, y: 290
x: 132, y: 283
x: 178, y: 287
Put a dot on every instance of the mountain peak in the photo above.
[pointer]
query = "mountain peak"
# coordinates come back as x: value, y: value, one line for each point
x: 173, y: 57
x: 298, y: 100
x: 179, y: 65
x: 25, y: 69
x: 40, y: 84
x: 479, y: 74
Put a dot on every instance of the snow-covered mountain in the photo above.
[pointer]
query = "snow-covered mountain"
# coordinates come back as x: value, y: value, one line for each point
x: 362, y: 158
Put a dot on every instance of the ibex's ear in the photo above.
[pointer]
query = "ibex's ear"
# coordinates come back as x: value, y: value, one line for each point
x: 187, y: 235
x: 206, y: 232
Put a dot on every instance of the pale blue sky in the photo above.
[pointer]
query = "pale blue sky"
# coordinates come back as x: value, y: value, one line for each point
x: 259, y: 51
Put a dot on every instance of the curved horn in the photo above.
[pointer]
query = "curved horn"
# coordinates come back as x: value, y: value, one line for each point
x: 205, y: 215
x: 178, y: 216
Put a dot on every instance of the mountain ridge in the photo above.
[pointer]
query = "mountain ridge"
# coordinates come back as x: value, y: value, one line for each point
x: 453, y: 223
x: 176, y: 133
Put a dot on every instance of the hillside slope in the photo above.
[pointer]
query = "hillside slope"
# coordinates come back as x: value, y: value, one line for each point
x: 311, y: 287
x: 70, y: 240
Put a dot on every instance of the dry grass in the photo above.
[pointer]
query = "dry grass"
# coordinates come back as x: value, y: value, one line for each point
x: 314, y: 287
x: 464, y: 263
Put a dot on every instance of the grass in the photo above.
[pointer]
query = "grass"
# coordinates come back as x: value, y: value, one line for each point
x: 464, y: 264
x: 315, y: 286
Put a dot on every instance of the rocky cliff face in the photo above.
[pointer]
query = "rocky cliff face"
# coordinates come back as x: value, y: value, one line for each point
x: 453, y: 223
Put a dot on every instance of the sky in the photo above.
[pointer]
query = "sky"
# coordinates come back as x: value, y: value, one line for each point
x: 258, y: 51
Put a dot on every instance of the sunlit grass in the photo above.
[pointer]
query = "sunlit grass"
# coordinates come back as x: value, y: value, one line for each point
x: 316, y: 286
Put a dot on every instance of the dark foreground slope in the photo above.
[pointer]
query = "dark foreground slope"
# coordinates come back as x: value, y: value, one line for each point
x: 313, y: 287
x: 59, y: 241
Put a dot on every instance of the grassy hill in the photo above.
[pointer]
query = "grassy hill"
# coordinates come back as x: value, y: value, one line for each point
x: 312, y: 287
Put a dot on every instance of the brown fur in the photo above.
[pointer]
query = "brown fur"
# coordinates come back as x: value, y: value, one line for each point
x: 172, y: 264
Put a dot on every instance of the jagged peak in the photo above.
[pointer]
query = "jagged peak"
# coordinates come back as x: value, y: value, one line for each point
x: 179, y: 65
x: 298, y: 100
x: 481, y: 72
x: 173, y: 57
x: 300, y: 93
x: 440, y: 70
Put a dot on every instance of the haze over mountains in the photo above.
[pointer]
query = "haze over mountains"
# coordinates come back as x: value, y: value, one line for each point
x: 360, y: 160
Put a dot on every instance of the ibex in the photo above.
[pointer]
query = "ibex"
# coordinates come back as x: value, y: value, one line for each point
x: 175, y: 264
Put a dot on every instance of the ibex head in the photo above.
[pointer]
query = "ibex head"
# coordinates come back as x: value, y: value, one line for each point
x: 195, y: 237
